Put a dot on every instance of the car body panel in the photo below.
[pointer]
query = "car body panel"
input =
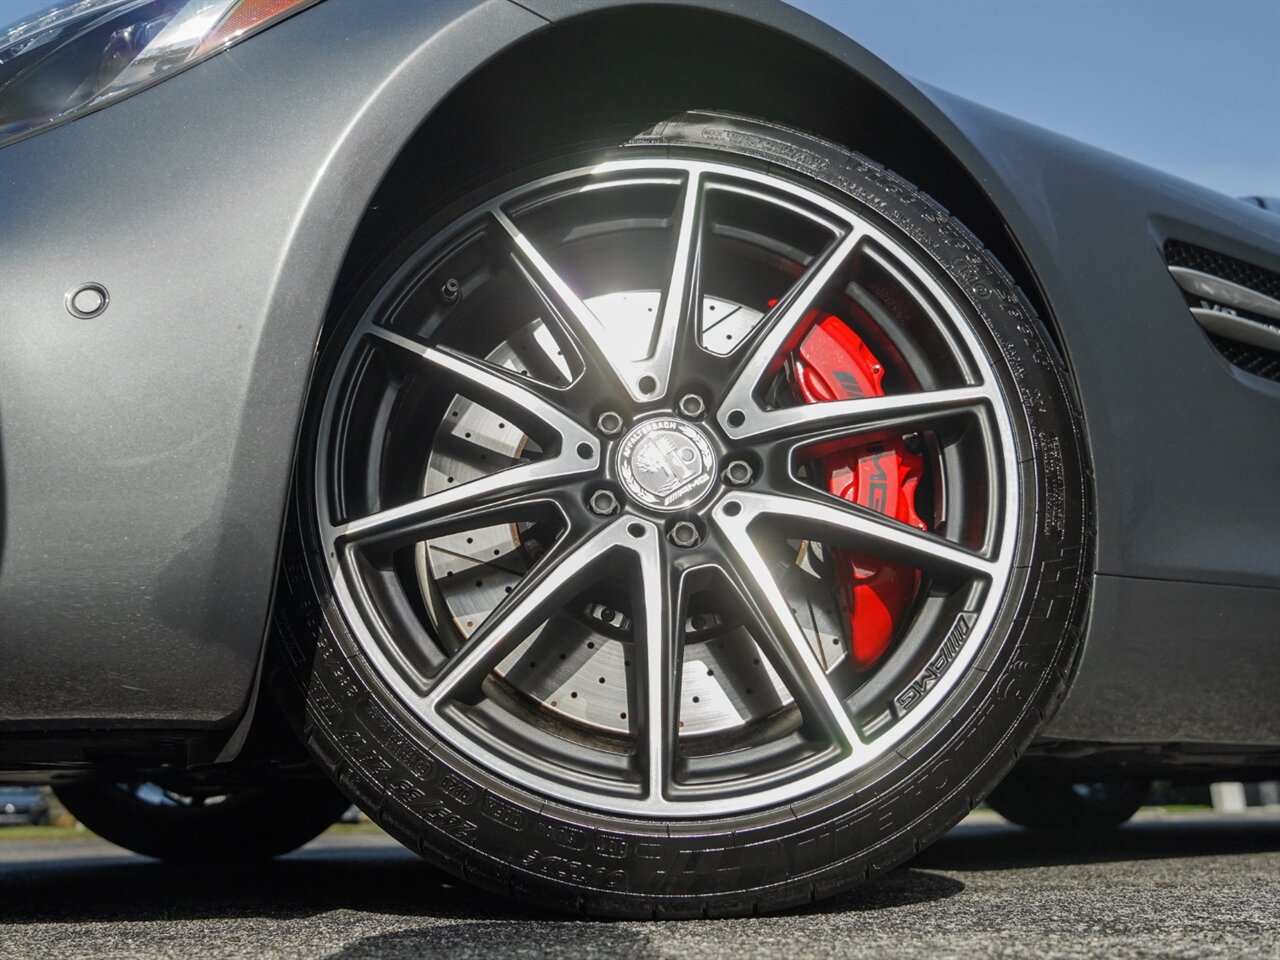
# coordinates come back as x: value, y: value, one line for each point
x: 1176, y: 662
x: 145, y: 456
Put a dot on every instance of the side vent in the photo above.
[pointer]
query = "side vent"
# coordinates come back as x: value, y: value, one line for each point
x: 1236, y: 303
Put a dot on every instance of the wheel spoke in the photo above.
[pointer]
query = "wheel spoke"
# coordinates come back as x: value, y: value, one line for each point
x: 812, y: 513
x: 659, y: 600
x: 600, y: 353
x: 677, y: 329
x: 816, y: 421
x: 491, y: 386
x: 515, y: 493
x: 564, y: 571
x: 782, y: 327
x: 509, y: 495
x: 780, y: 636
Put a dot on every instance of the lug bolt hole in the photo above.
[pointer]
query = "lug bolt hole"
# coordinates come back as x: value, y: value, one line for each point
x: 737, y: 418
x: 585, y: 450
x: 647, y: 385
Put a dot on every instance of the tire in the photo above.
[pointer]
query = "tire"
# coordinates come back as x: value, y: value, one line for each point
x: 1045, y: 804
x: 245, y: 825
x: 559, y: 813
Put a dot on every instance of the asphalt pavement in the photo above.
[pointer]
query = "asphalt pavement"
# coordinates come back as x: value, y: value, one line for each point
x: 1184, y: 886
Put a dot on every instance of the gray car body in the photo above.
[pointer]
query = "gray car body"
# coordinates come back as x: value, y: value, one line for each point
x: 146, y: 455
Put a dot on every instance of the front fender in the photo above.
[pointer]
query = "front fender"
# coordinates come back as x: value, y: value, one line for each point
x: 146, y: 454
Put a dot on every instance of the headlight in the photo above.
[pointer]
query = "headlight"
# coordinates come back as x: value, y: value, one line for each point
x: 79, y: 55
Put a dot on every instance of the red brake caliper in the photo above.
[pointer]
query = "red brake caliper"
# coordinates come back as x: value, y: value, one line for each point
x: 834, y: 364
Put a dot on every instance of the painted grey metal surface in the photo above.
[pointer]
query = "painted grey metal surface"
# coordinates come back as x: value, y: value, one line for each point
x: 1165, y: 413
x: 145, y: 454
x: 1197, y: 662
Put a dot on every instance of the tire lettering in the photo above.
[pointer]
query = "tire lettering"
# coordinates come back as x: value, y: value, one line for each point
x: 575, y: 871
x: 459, y: 789
x: 499, y: 811
x: 569, y: 838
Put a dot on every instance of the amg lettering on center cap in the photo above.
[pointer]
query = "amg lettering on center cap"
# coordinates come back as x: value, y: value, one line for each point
x: 665, y: 463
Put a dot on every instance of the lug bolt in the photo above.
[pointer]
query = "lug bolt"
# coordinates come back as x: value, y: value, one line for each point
x: 450, y: 290
x: 684, y: 534
x: 610, y: 423
x: 738, y: 473
x: 691, y: 406
x: 603, y: 503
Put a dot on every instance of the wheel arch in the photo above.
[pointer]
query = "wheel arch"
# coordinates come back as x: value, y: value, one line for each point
x: 530, y: 99
x: 526, y: 98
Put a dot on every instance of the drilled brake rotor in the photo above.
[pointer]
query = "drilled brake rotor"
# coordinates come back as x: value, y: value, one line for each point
x: 577, y: 665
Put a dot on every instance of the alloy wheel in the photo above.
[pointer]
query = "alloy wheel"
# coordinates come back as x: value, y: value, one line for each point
x: 580, y: 520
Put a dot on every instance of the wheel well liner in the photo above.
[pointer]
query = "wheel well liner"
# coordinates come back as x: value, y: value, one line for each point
x: 609, y: 74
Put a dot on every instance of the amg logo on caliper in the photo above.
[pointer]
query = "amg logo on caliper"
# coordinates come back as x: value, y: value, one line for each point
x: 848, y: 383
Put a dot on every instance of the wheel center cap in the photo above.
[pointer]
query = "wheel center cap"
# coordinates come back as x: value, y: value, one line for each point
x: 665, y: 463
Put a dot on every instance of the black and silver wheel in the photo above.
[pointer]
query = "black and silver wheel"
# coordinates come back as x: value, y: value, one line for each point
x: 693, y: 526
x: 1046, y: 803
x: 205, y: 823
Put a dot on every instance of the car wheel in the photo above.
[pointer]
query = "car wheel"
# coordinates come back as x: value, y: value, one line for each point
x: 1052, y: 804
x: 694, y: 527
x: 193, y: 825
